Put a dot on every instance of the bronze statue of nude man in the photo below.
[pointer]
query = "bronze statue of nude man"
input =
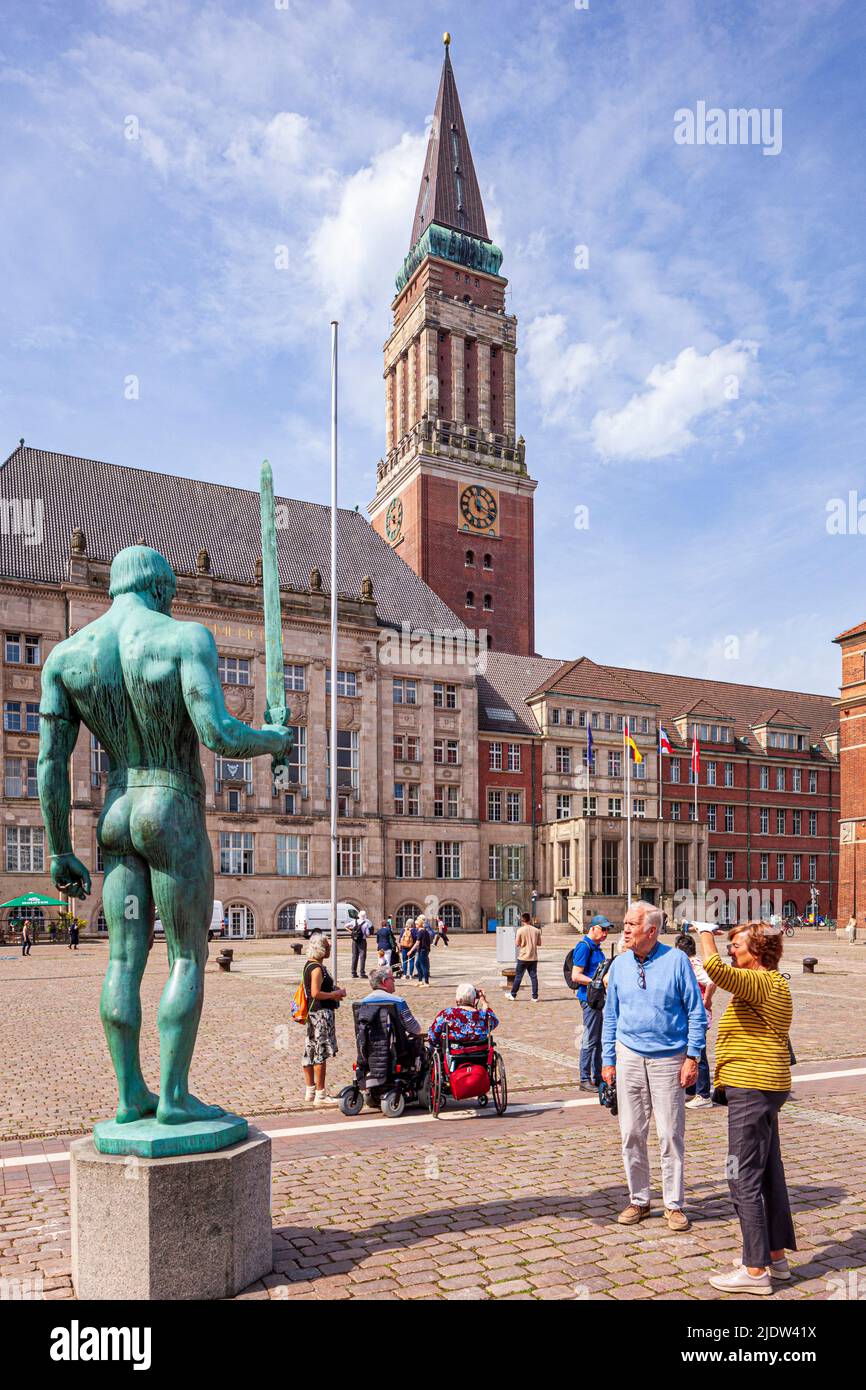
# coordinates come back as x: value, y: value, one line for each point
x: 147, y: 686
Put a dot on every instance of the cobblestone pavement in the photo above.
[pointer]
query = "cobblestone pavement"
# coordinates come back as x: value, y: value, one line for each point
x: 468, y: 1206
x: 248, y: 1054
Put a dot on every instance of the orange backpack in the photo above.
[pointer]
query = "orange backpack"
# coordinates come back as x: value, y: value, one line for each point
x: 300, y: 1002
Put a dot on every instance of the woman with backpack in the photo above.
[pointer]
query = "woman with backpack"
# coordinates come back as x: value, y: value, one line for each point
x: 407, y: 941
x: 422, y: 938
x: 323, y: 999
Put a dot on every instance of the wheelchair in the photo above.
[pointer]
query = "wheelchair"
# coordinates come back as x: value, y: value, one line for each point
x: 473, y: 1072
x: 390, y: 1066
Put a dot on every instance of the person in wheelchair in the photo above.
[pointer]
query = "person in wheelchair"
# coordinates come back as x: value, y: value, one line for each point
x: 391, y: 1048
x: 468, y: 1022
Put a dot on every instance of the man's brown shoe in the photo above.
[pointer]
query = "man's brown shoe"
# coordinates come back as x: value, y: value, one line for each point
x: 677, y: 1220
x: 633, y: 1214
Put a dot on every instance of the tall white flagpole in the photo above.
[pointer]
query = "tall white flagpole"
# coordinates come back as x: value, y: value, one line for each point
x: 628, y: 813
x: 333, y: 769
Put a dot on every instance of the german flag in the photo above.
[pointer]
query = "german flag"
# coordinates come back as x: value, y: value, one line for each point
x: 636, y: 754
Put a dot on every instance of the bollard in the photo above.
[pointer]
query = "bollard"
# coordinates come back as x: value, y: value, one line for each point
x: 809, y: 963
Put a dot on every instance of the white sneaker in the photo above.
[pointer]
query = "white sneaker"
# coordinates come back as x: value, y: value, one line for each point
x: 698, y: 1103
x: 779, y: 1269
x: 310, y: 1094
x: 534, y: 1000
x: 322, y: 1098
x: 741, y: 1281
x: 512, y: 997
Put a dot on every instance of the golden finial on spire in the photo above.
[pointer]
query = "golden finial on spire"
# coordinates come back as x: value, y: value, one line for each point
x: 446, y: 38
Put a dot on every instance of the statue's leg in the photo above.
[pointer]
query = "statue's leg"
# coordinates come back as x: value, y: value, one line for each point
x: 183, y: 892
x: 127, y: 904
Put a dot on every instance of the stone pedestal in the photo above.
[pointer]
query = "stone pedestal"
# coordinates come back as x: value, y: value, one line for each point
x: 196, y: 1226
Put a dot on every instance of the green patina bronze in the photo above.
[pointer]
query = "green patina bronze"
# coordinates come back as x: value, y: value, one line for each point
x: 148, y: 688
x: 449, y: 245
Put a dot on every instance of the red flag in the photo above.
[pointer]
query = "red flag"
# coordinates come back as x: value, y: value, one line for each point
x: 696, y: 756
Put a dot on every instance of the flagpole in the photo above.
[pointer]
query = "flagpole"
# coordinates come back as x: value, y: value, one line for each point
x: 628, y: 814
x: 334, y: 654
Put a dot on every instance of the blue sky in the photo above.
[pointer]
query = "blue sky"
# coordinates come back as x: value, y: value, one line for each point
x: 707, y: 549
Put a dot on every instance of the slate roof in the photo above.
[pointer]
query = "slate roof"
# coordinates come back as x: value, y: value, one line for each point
x: 507, y: 682
x: 586, y: 677
x: 117, y: 506
x: 449, y: 192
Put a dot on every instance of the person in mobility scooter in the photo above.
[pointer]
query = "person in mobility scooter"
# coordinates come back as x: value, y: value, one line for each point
x: 464, y: 1063
x: 391, y: 1064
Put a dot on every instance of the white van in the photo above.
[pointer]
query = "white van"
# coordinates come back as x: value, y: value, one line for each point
x: 310, y: 917
x: 215, y: 928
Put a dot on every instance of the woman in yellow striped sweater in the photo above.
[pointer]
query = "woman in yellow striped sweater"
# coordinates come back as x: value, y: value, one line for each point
x: 753, y: 1065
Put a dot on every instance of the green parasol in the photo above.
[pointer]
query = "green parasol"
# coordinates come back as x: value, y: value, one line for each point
x: 33, y: 900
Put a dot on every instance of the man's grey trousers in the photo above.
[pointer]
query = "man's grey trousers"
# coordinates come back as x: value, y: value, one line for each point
x: 650, y: 1086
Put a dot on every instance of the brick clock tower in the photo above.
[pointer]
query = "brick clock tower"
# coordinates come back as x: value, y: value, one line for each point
x: 453, y: 496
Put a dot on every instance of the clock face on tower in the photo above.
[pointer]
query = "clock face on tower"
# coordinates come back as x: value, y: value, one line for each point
x: 394, y: 520
x: 478, y: 508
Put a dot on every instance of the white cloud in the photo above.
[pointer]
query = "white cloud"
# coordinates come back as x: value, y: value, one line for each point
x: 657, y: 422
x: 559, y: 370
x: 357, y: 249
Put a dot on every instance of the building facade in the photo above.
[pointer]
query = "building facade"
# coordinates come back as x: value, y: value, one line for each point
x: 852, y: 764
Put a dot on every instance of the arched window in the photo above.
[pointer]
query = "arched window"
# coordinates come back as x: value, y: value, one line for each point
x: 488, y: 562
x: 286, y: 917
x: 470, y: 599
x: 242, y: 920
x: 789, y: 909
x: 470, y: 557
x: 452, y: 916
x: 406, y: 916
x: 101, y: 924
x: 488, y: 603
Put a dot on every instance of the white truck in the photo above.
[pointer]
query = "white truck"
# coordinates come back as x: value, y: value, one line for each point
x: 215, y: 928
x: 316, y: 916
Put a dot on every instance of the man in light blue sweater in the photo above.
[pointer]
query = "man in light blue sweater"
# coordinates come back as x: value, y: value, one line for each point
x: 654, y: 1033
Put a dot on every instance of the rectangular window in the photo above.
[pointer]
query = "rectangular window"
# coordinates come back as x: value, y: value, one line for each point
x: 233, y: 770
x: 797, y: 868
x: 639, y: 771
x: 711, y: 864
x: 233, y: 670
x: 407, y: 859
x: 21, y: 777
x: 296, y: 763
x: 681, y: 865
x: 796, y: 822
x: 405, y: 692
x: 764, y: 821
x: 729, y: 774
x: 98, y: 761
x: 813, y: 822
x: 764, y: 867
x: 639, y: 808
x: 780, y: 867
x: 444, y: 696
x: 293, y: 855
x: 495, y: 757
x: 590, y: 806
x: 12, y: 716
x: 32, y: 718
x: 446, y: 751
x: 13, y: 648
x: 675, y: 810
x: 295, y: 677
x: 236, y: 852
x: 514, y: 757
x: 646, y: 859
x: 554, y: 716
x: 494, y: 805
x: 797, y: 779
x: 347, y: 683
x: 25, y: 849
x: 765, y: 779
x: 675, y: 769
x: 711, y: 817
x: 614, y: 805
x: 813, y: 782
x: 729, y: 819
x: 610, y: 866
x: 565, y: 859
x: 31, y: 651
x: 349, y: 858
x: 233, y: 801
x: 348, y: 760
x: 780, y: 822
x: 614, y: 764
x: 505, y: 861
x: 28, y: 650
x: 569, y: 718
x: 813, y: 867
x: 447, y: 858
x: 780, y: 779
x: 563, y: 759
x: 729, y: 866
x: 711, y: 774
x: 563, y: 806
x: 513, y: 807
x: 445, y: 802
x: 692, y: 811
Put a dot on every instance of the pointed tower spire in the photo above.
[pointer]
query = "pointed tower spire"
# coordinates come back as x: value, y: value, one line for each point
x: 449, y: 191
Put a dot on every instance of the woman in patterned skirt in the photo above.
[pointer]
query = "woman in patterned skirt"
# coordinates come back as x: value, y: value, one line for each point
x: 324, y: 999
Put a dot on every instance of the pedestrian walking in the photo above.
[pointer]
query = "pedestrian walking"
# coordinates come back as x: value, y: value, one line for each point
x: 653, y: 1034
x: 699, y: 1094
x: 360, y: 932
x: 526, y: 944
x: 422, y: 940
x: 441, y: 932
x: 753, y: 1066
x: 407, y: 941
x: 586, y: 958
x: 26, y: 938
x: 385, y: 943
x: 324, y: 999
x: 73, y: 935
